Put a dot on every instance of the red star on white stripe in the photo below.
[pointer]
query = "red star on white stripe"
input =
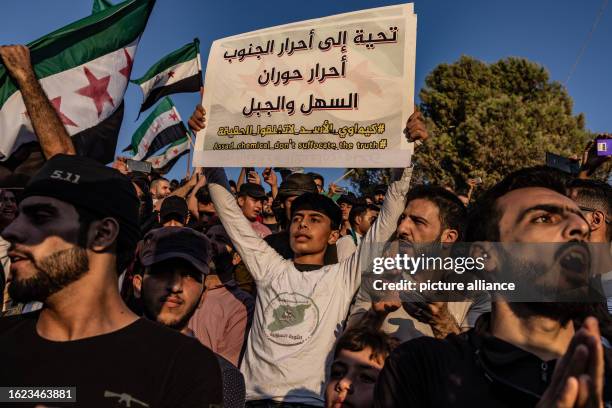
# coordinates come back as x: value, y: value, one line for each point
x: 125, y: 71
x: 97, y: 90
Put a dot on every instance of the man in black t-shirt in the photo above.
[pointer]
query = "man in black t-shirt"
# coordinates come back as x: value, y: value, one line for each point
x: 510, y: 358
x: 77, y: 226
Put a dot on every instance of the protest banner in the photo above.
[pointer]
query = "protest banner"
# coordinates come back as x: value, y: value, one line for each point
x: 329, y: 92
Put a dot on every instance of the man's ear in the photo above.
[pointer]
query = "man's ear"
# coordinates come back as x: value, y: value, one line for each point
x: 333, y: 237
x: 598, y: 220
x: 240, y: 201
x: 485, y: 254
x: 103, y: 234
x: 137, y: 285
x: 449, y: 236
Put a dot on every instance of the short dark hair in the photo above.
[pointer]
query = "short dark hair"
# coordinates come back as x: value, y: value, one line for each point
x: 232, y: 183
x: 360, y: 209
x: 594, y: 194
x: 451, y: 210
x: 157, y: 180
x: 317, y: 176
x: 361, y: 337
x: 203, y: 195
x: 484, y: 216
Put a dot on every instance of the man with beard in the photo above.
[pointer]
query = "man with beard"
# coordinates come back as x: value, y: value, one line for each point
x: 8, y: 212
x: 77, y: 227
x: 432, y: 221
x: 510, y: 358
x: 175, y: 264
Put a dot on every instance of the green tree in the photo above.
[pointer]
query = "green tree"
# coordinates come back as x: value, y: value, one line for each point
x: 486, y: 120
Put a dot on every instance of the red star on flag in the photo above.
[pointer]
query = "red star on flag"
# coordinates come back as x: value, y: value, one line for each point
x: 97, y: 90
x: 170, y: 74
x: 175, y: 151
x: 125, y: 71
x: 57, y: 102
x: 157, y: 162
x: 146, y: 146
x: 174, y: 117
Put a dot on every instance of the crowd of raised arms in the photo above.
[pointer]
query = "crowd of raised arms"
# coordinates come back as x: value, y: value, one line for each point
x: 145, y: 292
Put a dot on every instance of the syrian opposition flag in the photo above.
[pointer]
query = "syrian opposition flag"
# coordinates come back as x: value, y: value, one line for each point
x: 164, y: 162
x: 161, y: 127
x: 84, y: 69
x: 177, y: 72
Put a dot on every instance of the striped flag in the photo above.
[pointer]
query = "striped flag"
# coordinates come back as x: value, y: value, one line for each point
x: 84, y: 69
x: 179, y: 71
x: 161, y: 127
x: 164, y: 162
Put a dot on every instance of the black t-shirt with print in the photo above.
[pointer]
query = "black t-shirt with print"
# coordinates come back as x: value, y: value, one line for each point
x: 141, y: 365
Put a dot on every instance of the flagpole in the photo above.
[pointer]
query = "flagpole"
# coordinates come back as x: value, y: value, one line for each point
x: 189, y: 155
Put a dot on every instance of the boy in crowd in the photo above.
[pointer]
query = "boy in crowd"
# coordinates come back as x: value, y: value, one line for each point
x: 510, y: 359
x: 250, y: 199
x: 300, y: 303
x: 359, y: 357
x: 361, y: 218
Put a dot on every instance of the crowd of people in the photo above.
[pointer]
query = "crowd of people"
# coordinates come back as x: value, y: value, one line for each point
x: 146, y: 292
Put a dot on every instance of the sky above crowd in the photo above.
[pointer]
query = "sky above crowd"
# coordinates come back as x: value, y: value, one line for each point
x: 549, y: 32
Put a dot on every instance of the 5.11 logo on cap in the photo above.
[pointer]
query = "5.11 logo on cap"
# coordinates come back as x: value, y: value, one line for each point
x: 66, y: 176
x: 604, y: 147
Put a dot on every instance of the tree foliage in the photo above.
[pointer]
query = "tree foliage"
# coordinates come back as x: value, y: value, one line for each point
x: 486, y: 120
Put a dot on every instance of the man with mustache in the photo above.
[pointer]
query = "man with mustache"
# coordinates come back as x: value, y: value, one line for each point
x: 174, y: 263
x: 521, y: 354
x: 433, y: 218
x: 76, y: 230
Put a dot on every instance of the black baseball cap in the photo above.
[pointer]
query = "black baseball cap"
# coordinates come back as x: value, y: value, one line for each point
x: 296, y: 184
x: 176, y: 242
x: 172, y: 207
x: 320, y: 203
x: 90, y: 185
x: 252, y: 190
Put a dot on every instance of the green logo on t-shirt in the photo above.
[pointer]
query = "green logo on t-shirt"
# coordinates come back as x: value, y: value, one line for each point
x: 290, y: 319
x: 286, y: 316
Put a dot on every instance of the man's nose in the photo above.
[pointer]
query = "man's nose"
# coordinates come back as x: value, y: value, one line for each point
x: 577, y: 228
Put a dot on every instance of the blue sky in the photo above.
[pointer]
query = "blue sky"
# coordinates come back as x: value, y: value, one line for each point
x: 550, y: 32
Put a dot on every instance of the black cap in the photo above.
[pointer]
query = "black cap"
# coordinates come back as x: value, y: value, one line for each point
x: 173, y: 205
x: 176, y: 242
x: 320, y: 203
x: 381, y: 189
x: 296, y: 184
x: 87, y: 184
x: 252, y: 190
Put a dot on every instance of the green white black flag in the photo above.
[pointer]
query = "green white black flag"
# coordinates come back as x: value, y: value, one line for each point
x: 179, y: 71
x: 164, y: 162
x: 161, y: 127
x: 84, y: 69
